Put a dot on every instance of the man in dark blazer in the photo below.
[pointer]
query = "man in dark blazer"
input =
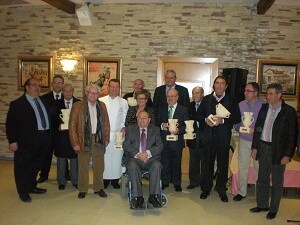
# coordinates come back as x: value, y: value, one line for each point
x: 274, y: 143
x: 216, y: 137
x: 138, y: 85
x: 160, y: 99
x: 28, y: 134
x: 52, y: 99
x: 62, y: 146
x: 144, y: 156
x: 195, y: 145
x: 172, y: 151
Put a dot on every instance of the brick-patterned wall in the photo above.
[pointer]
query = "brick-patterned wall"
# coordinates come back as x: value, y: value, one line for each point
x: 139, y: 33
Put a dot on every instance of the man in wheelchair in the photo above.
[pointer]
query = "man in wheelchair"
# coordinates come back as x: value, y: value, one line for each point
x: 142, y: 147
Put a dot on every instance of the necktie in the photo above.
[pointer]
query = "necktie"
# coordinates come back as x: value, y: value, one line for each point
x: 41, y: 113
x: 170, y: 111
x: 67, y: 105
x: 197, y: 106
x: 143, y: 140
x: 56, y: 97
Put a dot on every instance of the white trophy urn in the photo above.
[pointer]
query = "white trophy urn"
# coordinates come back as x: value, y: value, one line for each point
x: 221, y: 111
x: 247, y: 119
x: 131, y: 101
x: 65, y: 116
x: 119, y: 140
x: 172, y: 128
x: 189, y: 129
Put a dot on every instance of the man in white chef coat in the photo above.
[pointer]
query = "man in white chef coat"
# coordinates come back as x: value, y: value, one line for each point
x: 117, y: 109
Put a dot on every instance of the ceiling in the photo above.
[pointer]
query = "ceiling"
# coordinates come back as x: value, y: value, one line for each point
x: 40, y: 2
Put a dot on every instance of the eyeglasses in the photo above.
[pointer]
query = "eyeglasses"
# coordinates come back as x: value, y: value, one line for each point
x: 249, y: 90
x: 35, y: 85
x: 92, y: 93
x: 141, y: 98
x: 56, y: 82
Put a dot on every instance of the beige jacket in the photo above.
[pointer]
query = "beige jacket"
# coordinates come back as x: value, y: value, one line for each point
x: 76, y: 125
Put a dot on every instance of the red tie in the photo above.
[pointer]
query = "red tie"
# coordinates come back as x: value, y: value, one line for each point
x: 143, y: 140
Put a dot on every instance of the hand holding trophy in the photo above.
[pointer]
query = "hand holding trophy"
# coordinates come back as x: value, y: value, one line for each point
x: 172, y: 128
x: 221, y: 112
x: 247, y: 119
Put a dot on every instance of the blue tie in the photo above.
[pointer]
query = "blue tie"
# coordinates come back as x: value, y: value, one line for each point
x: 41, y: 113
x: 197, y: 106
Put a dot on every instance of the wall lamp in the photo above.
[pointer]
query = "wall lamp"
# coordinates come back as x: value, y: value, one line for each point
x: 68, y: 65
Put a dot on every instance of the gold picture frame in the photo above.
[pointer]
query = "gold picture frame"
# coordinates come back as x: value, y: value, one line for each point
x: 39, y: 67
x: 100, y: 70
x: 285, y: 72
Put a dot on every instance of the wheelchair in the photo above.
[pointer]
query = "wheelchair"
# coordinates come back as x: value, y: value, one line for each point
x: 126, y: 190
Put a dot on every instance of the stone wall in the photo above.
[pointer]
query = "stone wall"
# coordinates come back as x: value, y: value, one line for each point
x: 139, y: 33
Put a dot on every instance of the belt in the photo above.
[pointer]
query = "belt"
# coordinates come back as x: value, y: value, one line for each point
x: 266, y: 143
x: 43, y: 131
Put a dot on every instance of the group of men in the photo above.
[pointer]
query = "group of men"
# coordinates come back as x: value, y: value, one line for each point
x: 94, y: 122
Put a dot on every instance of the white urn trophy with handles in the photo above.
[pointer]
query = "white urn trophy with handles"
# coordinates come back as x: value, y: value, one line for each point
x: 247, y: 119
x: 65, y: 116
x: 172, y: 128
x: 119, y: 140
x: 221, y: 111
x: 189, y: 129
x: 131, y: 101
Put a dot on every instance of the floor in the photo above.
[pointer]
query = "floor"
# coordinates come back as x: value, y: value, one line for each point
x: 64, y: 208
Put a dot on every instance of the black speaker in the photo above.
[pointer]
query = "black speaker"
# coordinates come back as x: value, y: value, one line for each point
x: 237, y: 80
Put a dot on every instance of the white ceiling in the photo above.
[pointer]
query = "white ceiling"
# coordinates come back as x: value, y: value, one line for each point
x: 39, y: 2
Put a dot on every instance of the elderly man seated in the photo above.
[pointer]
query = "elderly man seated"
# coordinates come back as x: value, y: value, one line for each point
x: 142, y: 146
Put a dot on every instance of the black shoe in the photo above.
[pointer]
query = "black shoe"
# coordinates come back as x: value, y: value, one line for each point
x: 178, y: 188
x: 155, y: 201
x: 238, y: 198
x: 191, y: 186
x: 138, y: 203
x: 61, y: 187
x: 164, y: 186
x: 101, y: 193
x: 257, y: 210
x: 25, y: 198
x: 42, y: 179
x: 204, y: 195
x: 271, y: 216
x: 224, y: 198
x: 81, y: 195
x: 75, y: 186
x: 106, y: 183
x: 115, y: 184
x: 37, y: 190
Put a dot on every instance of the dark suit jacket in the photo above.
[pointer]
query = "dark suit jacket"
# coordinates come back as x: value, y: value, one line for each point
x: 131, y: 144
x: 130, y: 94
x: 21, y: 123
x: 222, y: 131
x: 181, y: 113
x: 197, y: 142
x: 284, y: 132
x: 62, y: 145
x: 54, y: 108
x: 160, y: 98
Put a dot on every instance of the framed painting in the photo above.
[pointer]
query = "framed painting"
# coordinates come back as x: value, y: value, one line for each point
x: 284, y: 72
x: 100, y: 70
x: 39, y: 67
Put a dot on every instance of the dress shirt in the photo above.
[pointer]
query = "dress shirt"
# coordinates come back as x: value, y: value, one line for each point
x: 266, y: 134
x: 93, y: 117
x: 70, y: 103
x: 59, y: 95
x: 37, y: 115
